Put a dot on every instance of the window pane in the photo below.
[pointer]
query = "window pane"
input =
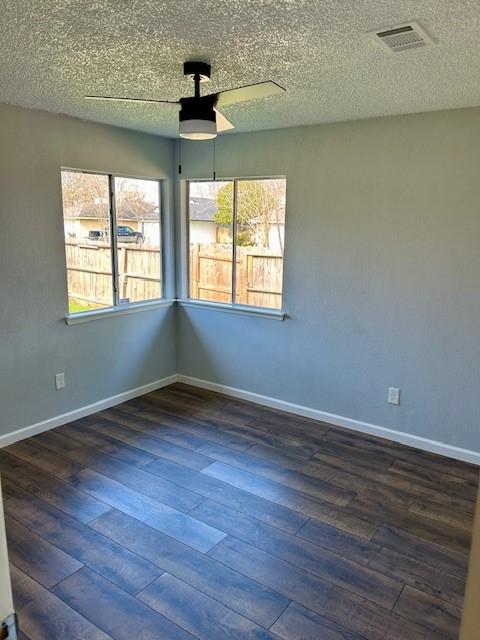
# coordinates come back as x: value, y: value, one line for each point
x: 137, y: 207
x: 210, y: 235
x: 260, y: 233
x: 86, y: 216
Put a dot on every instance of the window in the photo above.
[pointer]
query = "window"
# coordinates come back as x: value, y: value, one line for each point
x: 236, y: 241
x: 106, y: 269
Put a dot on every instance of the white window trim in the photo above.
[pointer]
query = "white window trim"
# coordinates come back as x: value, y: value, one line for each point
x: 111, y: 312
x: 243, y: 310
x: 186, y: 301
x: 123, y: 308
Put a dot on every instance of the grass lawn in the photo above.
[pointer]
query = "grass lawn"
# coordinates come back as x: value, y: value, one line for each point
x: 77, y: 306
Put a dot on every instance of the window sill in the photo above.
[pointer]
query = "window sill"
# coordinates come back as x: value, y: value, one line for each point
x: 87, y: 316
x: 259, y: 312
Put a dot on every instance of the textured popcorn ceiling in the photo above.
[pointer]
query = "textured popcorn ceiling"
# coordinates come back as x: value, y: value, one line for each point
x: 54, y: 52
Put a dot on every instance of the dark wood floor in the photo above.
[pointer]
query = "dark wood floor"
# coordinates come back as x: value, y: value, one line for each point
x: 185, y: 514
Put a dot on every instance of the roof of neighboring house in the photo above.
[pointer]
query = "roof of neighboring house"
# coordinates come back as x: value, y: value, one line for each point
x: 202, y: 209
x: 96, y: 212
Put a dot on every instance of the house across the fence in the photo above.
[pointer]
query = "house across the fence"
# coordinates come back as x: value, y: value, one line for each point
x: 80, y: 221
x: 204, y: 229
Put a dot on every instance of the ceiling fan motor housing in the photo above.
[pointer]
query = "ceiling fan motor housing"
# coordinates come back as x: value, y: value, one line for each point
x: 198, y: 109
x: 198, y: 118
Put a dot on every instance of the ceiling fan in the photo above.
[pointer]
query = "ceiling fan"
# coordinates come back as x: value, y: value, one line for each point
x: 199, y: 116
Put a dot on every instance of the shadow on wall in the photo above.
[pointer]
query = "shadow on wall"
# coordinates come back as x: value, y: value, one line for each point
x: 156, y: 347
x: 186, y: 327
x: 149, y: 350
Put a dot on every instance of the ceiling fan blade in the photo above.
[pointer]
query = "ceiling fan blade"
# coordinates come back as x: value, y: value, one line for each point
x: 136, y: 100
x: 223, y: 124
x: 250, y: 92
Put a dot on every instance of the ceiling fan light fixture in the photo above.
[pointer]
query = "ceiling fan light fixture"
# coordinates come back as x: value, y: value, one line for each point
x: 196, y: 129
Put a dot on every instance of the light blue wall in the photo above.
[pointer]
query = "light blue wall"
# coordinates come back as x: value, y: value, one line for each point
x: 100, y: 358
x: 382, y: 274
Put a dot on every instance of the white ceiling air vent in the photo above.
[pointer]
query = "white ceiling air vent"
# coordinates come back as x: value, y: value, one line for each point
x: 402, y: 37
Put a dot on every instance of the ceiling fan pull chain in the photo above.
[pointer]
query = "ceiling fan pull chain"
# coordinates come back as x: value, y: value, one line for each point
x: 214, y: 160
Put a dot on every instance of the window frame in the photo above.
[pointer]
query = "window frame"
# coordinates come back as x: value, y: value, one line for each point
x: 117, y: 307
x: 232, y: 307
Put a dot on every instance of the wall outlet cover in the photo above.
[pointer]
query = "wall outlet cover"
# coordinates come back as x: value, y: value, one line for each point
x: 394, y: 395
x: 60, y: 381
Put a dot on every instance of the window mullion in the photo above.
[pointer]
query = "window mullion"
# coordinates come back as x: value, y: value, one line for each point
x: 234, y: 243
x: 162, y: 238
x: 113, y: 240
x: 186, y: 284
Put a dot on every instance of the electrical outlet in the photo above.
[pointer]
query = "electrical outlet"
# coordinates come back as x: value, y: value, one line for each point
x: 60, y: 381
x: 394, y: 395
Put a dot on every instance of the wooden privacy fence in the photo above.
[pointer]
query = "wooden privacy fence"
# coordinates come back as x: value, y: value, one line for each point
x: 89, y: 269
x: 258, y: 275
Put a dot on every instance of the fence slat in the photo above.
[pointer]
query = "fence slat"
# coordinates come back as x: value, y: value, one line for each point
x: 259, y: 273
x: 258, y: 280
x: 89, y: 270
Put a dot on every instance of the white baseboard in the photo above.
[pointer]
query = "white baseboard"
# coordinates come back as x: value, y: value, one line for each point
x: 411, y: 440
x: 76, y: 414
x: 425, y: 444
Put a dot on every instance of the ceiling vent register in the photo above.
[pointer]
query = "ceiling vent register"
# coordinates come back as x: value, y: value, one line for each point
x: 402, y: 37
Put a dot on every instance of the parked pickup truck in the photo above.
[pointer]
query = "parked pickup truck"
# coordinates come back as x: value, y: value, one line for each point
x: 124, y: 234
x: 127, y: 234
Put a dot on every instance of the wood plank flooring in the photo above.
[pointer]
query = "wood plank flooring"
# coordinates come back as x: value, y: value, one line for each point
x: 185, y: 514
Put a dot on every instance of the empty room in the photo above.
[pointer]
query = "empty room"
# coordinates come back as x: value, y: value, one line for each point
x: 239, y: 320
